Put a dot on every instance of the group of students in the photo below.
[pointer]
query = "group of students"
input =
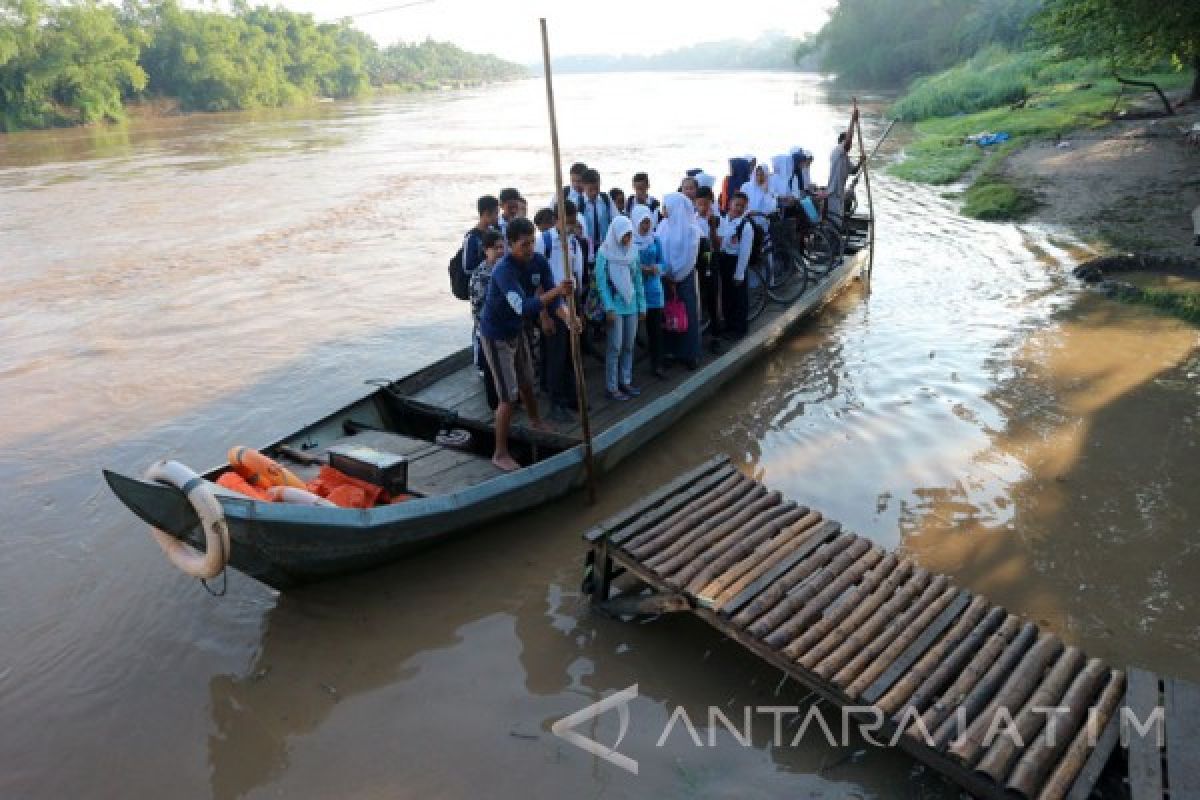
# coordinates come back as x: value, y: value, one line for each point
x: 629, y: 261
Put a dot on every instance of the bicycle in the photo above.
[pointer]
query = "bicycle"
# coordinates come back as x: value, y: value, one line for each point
x: 781, y: 265
x: 757, y: 291
x: 795, y: 261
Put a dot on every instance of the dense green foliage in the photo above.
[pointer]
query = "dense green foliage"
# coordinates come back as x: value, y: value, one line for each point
x: 77, y: 61
x: 65, y: 63
x: 889, y: 42
x: 939, y: 154
x: 432, y: 63
x: 1130, y: 34
x: 993, y: 77
x: 770, y: 51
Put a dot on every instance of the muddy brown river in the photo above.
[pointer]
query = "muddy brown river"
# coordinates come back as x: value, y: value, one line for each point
x: 181, y: 285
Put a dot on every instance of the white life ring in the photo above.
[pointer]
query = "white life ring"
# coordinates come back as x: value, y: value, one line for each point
x: 206, y: 565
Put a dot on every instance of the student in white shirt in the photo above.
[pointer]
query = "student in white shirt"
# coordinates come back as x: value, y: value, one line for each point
x: 596, y: 210
x: 760, y: 197
x: 680, y: 239
x: 558, y: 373
x: 737, y: 244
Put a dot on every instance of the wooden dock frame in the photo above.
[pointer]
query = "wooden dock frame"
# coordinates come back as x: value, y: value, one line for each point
x: 609, y: 559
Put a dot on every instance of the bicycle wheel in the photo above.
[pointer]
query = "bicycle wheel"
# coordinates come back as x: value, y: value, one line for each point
x: 756, y: 288
x: 790, y: 277
x: 820, y: 252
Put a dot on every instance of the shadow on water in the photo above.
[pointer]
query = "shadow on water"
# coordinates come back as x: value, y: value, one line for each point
x: 1103, y: 413
x: 478, y: 647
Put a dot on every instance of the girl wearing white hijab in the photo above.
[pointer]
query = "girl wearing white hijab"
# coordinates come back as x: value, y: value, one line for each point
x: 680, y: 239
x: 781, y: 174
x: 650, y: 255
x: 763, y: 199
x: 619, y: 282
x: 801, y: 182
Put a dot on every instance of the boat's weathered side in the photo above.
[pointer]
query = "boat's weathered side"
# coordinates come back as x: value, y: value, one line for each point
x: 629, y: 434
x: 284, y: 545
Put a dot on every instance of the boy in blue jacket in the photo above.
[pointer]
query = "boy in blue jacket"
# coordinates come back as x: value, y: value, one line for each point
x: 522, y: 286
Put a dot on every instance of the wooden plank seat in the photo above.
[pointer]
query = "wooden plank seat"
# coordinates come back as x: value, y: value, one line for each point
x: 432, y: 469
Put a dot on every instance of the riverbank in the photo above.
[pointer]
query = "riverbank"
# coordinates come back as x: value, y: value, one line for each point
x: 1105, y: 167
x: 1127, y: 187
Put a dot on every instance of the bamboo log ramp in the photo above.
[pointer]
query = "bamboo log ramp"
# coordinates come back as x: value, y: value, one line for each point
x: 949, y: 672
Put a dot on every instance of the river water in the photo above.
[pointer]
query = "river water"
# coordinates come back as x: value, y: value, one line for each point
x: 180, y: 285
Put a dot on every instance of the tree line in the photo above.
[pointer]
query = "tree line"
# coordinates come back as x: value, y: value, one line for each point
x: 82, y: 61
x: 889, y: 42
x: 772, y: 51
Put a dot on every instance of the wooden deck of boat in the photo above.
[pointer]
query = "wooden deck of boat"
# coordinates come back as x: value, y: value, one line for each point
x: 864, y: 628
x: 462, y: 392
x: 432, y: 469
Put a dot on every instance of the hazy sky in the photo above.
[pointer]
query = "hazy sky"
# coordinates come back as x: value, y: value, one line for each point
x: 509, y: 29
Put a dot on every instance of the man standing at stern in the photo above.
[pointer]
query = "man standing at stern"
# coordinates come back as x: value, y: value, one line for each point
x: 521, y: 287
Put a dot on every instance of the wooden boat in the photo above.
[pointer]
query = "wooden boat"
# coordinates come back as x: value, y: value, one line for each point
x: 454, y: 489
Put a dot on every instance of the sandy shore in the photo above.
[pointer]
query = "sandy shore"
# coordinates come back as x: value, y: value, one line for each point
x: 1128, y: 187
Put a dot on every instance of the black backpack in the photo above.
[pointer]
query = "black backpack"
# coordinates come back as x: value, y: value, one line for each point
x: 756, y: 246
x: 460, y: 279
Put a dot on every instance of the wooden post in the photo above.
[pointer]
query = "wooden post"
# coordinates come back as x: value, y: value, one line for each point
x: 866, y: 173
x: 580, y: 383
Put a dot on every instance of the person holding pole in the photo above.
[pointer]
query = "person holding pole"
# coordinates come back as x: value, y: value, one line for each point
x: 840, y: 170
x: 521, y: 288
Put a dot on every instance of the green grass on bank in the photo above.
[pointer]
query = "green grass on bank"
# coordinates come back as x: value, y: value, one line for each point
x: 996, y: 198
x: 1185, y: 305
x: 992, y: 78
x: 1051, y: 98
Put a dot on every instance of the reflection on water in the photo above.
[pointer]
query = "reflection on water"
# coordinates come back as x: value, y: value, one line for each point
x: 179, y: 285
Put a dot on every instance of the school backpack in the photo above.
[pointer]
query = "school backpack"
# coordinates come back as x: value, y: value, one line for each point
x: 756, y: 246
x: 460, y: 278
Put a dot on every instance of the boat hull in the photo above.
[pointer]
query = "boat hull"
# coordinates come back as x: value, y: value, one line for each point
x: 287, y: 545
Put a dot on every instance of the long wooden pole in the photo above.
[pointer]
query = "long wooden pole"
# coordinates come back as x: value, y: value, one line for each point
x: 866, y: 173
x: 875, y: 149
x: 580, y: 383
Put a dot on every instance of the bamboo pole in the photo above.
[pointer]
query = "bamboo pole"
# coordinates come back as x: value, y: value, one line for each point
x: 745, y: 512
x: 910, y: 627
x: 999, y: 758
x: 782, y: 623
x: 978, y: 698
x: 658, y: 508
x: 667, y: 531
x: 839, y: 647
x: 825, y: 554
x: 763, y: 558
x: 1059, y: 782
x: 1062, y: 725
x: 844, y: 668
x: 980, y: 663
x: 739, y: 544
x: 580, y: 383
x: 822, y: 636
x: 1021, y: 683
x: 925, y: 684
x: 745, y: 548
x: 865, y: 169
x: 680, y: 536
